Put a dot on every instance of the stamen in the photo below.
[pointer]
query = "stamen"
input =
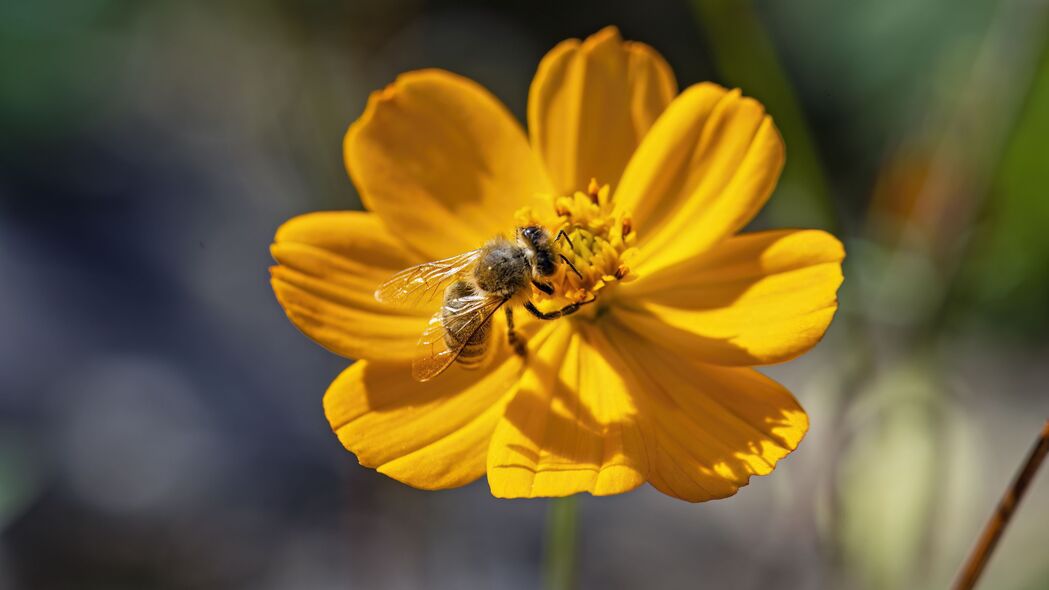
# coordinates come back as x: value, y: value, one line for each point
x: 600, y: 239
x: 593, y: 189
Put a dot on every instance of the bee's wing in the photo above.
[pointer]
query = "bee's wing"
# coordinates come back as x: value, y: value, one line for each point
x: 433, y: 353
x: 424, y: 282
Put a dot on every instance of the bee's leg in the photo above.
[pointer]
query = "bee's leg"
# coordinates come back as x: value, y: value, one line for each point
x: 516, y: 342
x: 543, y: 287
x: 553, y: 315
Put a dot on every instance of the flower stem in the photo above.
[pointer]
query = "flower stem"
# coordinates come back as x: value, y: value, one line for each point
x: 1006, y: 507
x: 560, y: 544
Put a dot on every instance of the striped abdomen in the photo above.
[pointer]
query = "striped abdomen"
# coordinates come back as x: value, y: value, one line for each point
x: 472, y: 325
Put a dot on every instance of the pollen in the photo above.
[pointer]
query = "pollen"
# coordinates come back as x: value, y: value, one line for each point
x: 594, y: 235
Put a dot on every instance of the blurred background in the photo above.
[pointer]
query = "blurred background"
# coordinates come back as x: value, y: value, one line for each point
x: 160, y: 418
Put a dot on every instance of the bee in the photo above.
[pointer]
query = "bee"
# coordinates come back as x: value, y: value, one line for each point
x: 475, y: 285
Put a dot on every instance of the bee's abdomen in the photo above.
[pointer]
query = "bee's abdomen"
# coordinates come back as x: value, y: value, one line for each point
x: 472, y: 356
x: 458, y: 325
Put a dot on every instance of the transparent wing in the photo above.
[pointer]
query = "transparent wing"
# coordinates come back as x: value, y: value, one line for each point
x: 450, y: 330
x: 423, y: 283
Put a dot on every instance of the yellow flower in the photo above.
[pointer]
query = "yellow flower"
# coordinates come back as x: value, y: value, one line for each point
x: 651, y: 382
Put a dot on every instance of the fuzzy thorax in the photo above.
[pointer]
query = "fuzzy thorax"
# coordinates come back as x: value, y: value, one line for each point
x: 599, y: 244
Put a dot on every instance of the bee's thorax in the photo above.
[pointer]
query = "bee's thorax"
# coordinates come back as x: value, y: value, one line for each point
x: 504, y: 269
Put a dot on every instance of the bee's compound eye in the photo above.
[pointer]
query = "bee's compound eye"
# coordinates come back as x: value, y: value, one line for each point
x: 531, y: 233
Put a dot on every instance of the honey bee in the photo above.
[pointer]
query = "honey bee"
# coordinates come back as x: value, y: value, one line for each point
x: 475, y: 285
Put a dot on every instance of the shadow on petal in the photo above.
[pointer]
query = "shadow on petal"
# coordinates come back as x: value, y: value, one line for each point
x: 571, y: 428
x: 708, y: 428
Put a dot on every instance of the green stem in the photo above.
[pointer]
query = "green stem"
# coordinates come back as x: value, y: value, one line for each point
x: 560, y: 544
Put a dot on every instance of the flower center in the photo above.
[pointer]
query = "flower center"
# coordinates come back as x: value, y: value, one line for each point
x: 594, y: 236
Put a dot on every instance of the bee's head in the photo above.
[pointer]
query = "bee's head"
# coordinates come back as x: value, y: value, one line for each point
x: 533, y: 236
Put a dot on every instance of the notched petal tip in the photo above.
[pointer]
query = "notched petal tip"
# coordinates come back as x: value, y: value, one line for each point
x: 758, y: 298
x: 387, y: 96
x: 708, y: 429
x: 571, y: 428
x: 329, y: 264
x: 591, y: 102
x: 704, y: 171
x: 516, y: 482
x: 608, y: 34
x: 429, y: 436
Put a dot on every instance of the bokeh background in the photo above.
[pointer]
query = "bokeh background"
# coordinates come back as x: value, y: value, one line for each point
x: 160, y: 419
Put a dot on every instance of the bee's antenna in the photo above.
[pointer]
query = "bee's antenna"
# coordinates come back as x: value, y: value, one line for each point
x: 571, y: 266
x: 562, y: 234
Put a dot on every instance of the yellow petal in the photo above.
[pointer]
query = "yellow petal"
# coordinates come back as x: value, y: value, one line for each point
x: 708, y: 428
x: 571, y: 426
x: 431, y: 435
x: 442, y: 162
x: 591, y: 103
x: 329, y: 266
x: 703, y: 171
x: 757, y: 298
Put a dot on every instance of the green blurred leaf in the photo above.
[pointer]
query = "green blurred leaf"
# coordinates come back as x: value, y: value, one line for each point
x: 1008, y: 273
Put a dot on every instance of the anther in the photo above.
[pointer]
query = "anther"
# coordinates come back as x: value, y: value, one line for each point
x: 627, y: 226
x: 621, y: 271
x: 593, y: 189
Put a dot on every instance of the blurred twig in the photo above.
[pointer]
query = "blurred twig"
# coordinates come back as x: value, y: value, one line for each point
x: 959, y: 149
x: 1006, y: 507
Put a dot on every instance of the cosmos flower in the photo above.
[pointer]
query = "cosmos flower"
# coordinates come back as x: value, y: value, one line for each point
x: 652, y: 382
